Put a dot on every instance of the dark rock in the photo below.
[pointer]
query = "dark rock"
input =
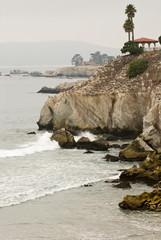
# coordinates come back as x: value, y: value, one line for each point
x: 31, y: 133
x: 112, y: 138
x: 145, y: 201
x: 124, y: 146
x: 113, y: 181
x: 114, y: 146
x: 111, y: 158
x: 88, y: 151
x: 87, y: 185
x: 97, y: 145
x: 124, y: 185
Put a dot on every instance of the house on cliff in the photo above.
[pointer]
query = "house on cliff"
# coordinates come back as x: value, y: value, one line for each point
x: 145, y: 43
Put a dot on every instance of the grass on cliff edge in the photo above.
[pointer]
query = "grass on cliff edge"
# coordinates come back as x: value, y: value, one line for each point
x: 136, y: 67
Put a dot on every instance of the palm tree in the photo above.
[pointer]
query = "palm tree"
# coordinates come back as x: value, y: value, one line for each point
x: 128, y: 26
x: 130, y: 11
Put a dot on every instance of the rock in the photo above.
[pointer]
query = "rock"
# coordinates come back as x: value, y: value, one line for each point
x: 87, y: 185
x: 109, y: 102
x: 111, y: 158
x: 96, y: 145
x: 114, y: 146
x: 158, y: 185
x: 149, y: 171
x: 124, y: 185
x: 88, y: 151
x: 145, y: 201
x: 31, y: 133
x: 113, y: 181
x: 63, y: 87
x: 76, y: 71
x: 112, y: 138
x: 138, y: 150
x: 64, y: 138
x: 18, y: 72
x: 124, y: 146
x: 36, y: 74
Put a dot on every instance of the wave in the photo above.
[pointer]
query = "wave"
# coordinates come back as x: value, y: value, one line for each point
x: 42, y: 143
x: 85, y: 134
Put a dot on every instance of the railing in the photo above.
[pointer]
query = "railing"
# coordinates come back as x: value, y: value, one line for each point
x: 152, y: 49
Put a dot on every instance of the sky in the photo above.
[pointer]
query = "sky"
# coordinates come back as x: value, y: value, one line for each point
x: 95, y: 21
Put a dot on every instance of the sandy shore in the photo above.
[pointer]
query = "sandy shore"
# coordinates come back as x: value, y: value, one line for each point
x: 85, y: 213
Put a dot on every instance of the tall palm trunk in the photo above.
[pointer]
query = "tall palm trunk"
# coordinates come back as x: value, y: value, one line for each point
x: 132, y: 30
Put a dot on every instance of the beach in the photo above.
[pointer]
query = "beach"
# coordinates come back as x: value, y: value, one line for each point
x: 79, y: 214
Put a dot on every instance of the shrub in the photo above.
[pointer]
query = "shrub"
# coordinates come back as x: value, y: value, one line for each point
x: 136, y: 67
x: 132, y: 48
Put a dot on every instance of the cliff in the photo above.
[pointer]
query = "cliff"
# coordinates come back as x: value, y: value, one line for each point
x: 109, y: 101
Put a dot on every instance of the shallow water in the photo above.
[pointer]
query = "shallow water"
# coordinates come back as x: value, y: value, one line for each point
x: 31, y: 166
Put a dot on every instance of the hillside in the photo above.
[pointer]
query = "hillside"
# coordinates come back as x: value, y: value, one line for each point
x: 109, y: 101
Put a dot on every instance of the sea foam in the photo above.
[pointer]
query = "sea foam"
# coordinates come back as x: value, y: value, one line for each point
x: 42, y: 143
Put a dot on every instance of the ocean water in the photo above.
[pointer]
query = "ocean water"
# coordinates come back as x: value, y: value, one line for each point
x: 32, y: 167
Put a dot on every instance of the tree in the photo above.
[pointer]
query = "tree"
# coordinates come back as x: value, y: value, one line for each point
x: 98, y: 58
x: 130, y: 11
x: 159, y: 39
x: 77, y: 60
x: 128, y: 26
x: 132, y: 48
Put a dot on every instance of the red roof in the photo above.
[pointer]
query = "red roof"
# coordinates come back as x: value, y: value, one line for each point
x: 145, y: 40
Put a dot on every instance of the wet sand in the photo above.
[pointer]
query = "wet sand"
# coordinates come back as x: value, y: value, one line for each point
x: 85, y: 213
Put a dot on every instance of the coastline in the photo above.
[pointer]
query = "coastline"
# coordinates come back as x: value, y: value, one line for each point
x: 79, y: 214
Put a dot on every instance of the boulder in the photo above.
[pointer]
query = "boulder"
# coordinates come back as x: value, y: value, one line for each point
x: 138, y: 150
x: 64, y: 138
x: 96, y: 145
x: 145, y: 201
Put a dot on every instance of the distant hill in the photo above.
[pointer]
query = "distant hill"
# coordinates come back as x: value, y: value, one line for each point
x: 48, y: 53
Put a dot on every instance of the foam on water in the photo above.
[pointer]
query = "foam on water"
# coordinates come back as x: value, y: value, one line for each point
x: 85, y: 134
x: 42, y: 143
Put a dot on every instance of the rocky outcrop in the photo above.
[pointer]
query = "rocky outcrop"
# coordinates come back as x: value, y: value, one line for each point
x: 63, y: 87
x: 145, y: 201
x: 16, y: 71
x: 109, y: 101
x: 148, y: 171
x: 76, y: 71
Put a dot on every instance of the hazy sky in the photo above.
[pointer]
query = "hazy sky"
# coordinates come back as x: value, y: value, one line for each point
x: 95, y: 21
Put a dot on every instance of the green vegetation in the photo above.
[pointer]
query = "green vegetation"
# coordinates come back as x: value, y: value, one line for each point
x: 99, y: 59
x: 132, y: 48
x: 159, y: 39
x: 95, y: 58
x: 77, y: 60
x: 136, y: 67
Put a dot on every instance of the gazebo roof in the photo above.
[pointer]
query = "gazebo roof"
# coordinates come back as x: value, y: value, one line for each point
x: 145, y: 40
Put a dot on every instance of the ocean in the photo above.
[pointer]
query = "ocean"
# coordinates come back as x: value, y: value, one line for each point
x: 32, y: 167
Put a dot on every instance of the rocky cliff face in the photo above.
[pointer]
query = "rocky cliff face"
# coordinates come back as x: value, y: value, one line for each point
x: 109, y: 101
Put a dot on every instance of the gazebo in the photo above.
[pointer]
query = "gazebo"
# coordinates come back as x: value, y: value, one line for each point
x: 143, y: 41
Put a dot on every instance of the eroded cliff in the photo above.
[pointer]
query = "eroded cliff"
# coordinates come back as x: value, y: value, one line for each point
x: 109, y: 101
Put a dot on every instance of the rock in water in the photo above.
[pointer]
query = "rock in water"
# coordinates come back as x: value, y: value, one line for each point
x: 145, y: 201
x: 64, y: 138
